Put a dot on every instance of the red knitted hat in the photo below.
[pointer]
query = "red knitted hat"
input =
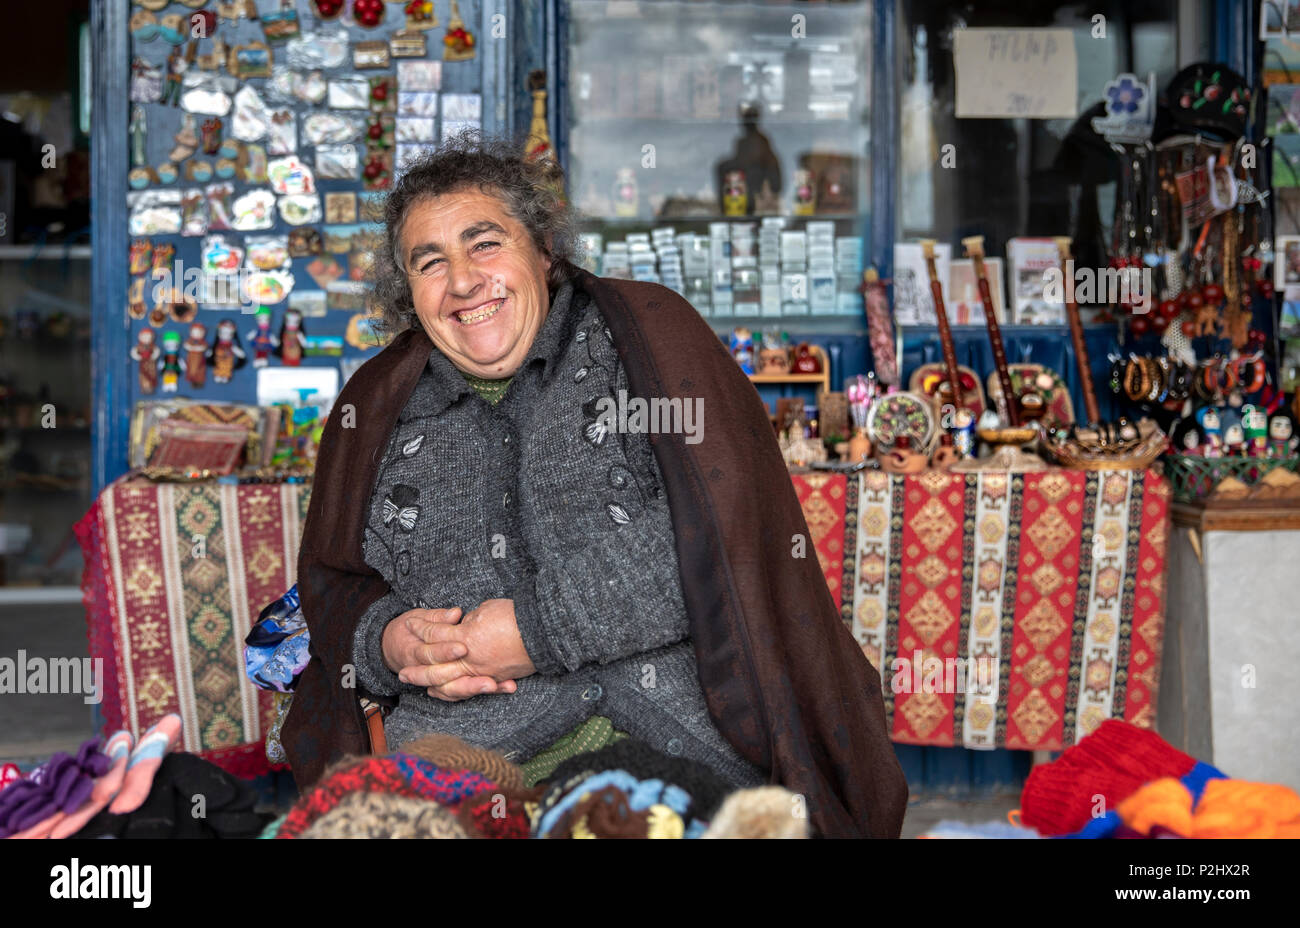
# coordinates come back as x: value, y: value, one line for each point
x: 1112, y: 762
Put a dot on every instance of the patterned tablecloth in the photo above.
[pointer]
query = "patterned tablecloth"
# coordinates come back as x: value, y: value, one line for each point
x: 175, y: 574
x: 1002, y: 611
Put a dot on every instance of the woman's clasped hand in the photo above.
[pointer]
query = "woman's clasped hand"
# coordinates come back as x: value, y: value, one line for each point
x: 455, y: 657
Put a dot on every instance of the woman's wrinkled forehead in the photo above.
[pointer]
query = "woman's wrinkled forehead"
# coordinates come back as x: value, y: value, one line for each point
x: 402, y: 248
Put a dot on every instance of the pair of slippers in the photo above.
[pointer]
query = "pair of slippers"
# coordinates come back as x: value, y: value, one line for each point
x: 125, y: 786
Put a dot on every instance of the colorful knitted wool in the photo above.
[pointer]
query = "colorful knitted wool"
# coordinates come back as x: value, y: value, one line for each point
x: 381, y: 815
x: 605, y: 805
x: 566, y: 809
x: 1226, y: 809
x: 761, y: 812
x: 395, y: 774
x: 703, y: 789
x: 499, y: 813
x: 450, y: 752
x: 1113, y: 762
x: 33, y: 806
x: 592, y: 735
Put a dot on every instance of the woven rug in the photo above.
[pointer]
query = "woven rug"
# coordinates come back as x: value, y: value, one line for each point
x: 174, y: 575
x: 1003, y: 611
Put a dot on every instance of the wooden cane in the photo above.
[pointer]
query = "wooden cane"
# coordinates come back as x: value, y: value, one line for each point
x: 974, y: 246
x: 945, y: 332
x: 1076, y: 335
x: 880, y: 326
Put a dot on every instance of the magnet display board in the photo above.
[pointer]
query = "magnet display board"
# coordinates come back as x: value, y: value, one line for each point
x: 260, y: 140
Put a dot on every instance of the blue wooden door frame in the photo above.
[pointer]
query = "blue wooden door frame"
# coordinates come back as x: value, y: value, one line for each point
x: 108, y: 170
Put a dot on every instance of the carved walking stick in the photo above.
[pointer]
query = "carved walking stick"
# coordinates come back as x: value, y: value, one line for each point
x: 975, y: 251
x: 1076, y: 335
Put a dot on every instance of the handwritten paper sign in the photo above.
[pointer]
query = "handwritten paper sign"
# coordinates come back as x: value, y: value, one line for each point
x: 1016, y: 74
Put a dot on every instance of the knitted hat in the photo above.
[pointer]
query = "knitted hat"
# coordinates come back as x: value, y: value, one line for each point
x: 605, y: 813
x: 450, y: 752
x: 394, y: 774
x: 592, y: 735
x: 1112, y: 763
x: 382, y: 815
x: 1224, y: 809
x: 499, y: 813
x: 704, y: 789
x: 761, y: 812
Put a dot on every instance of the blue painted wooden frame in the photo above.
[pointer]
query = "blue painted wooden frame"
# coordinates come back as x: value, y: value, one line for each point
x: 108, y: 170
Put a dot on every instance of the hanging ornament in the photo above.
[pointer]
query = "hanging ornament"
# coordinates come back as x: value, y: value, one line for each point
x: 328, y: 9
x: 187, y: 140
x: 170, y: 363
x: 420, y: 15
x: 176, y: 68
x: 196, y: 350
x: 458, y: 44
x: 135, y: 305
x: 368, y: 13
x: 145, y: 354
x: 293, y: 339
x: 211, y: 130
x: 226, y: 354
x: 261, y: 340
x: 141, y: 253
x: 538, y: 147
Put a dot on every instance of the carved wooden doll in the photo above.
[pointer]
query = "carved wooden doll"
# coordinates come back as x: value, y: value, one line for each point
x: 145, y: 354
x: 170, y: 365
x: 292, y: 338
x: 196, y: 350
x: 226, y: 354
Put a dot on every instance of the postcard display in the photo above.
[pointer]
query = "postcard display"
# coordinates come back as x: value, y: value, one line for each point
x: 262, y: 138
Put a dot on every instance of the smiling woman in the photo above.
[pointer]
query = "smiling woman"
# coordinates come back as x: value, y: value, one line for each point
x: 490, y: 558
x: 519, y: 189
x: 478, y: 283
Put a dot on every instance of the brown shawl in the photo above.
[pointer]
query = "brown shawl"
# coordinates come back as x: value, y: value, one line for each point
x: 784, y: 681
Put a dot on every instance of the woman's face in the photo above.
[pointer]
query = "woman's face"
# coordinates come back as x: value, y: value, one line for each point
x: 477, y: 281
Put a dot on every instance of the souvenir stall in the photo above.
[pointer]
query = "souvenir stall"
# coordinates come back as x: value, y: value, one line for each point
x: 242, y: 149
x: 987, y: 432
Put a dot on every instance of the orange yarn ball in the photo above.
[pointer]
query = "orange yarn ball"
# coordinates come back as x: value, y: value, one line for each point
x: 1164, y: 802
x: 1239, y: 809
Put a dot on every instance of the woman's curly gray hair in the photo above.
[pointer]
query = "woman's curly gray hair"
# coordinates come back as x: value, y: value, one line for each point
x: 494, y: 166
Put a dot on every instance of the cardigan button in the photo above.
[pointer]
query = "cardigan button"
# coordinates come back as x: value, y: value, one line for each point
x: 674, y: 746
